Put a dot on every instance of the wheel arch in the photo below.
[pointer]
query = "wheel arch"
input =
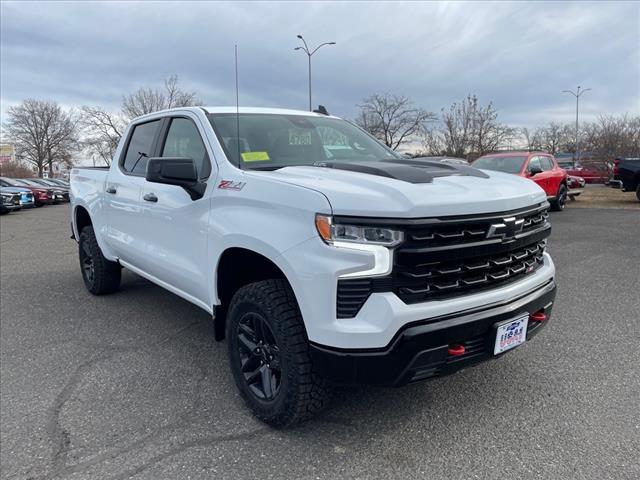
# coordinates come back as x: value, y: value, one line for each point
x: 237, y: 267
x: 81, y: 219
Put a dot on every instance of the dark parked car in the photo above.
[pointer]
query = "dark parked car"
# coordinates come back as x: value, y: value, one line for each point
x: 626, y: 175
x: 42, y: 195
x: 9, y: 201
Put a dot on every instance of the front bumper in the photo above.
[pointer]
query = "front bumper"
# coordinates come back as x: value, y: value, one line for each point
x: 419, y: 351
x: 9, y: 207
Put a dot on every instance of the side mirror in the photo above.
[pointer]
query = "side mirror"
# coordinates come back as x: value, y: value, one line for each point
x: 176, y: 171
x: 534, y: 171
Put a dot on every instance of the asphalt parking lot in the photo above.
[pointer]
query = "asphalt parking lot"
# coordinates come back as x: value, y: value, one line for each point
x: 133, y: 385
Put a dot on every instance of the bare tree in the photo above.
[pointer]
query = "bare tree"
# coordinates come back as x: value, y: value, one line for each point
x: 42, y: 133
x: 148, y: 100
x: 457, y: 129
x: 488, y: 133
x: 102, y: 129
x: 470, y: 129
x: 612, y: 136
x: 554, y: 137
x: 433, y: 143
x: 531, y: 138
x: 102, y: 132
x: 62, y: 139
x: 392, y: 119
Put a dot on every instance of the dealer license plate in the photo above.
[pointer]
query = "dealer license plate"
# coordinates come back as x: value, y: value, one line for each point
x: 511, y: 334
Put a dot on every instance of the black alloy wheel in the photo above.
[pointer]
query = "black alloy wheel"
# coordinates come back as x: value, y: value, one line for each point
x: 561, y: 198
x: 269, y: 354
x: 100, y: 275
x: 87, y: 263
x: 259, y: 356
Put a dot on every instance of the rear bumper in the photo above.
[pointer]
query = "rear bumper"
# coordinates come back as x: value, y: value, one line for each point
x: 420, y: 350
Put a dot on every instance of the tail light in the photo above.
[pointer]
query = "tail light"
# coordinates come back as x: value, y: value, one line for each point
x: 616, y: 167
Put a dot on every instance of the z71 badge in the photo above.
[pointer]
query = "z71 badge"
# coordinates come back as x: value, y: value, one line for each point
x: 231, y: 185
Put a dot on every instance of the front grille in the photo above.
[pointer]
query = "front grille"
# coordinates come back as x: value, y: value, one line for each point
x: 448, y: 257
x: 11, y: 199
x: 448, y: 278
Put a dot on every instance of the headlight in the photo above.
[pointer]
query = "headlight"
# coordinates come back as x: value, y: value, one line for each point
x: 375, y: 241
x: 332, y: 233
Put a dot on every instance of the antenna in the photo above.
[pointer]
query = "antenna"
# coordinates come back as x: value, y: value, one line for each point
x: 237, y: 110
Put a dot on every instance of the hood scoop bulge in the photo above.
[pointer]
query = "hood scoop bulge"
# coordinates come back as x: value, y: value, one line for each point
x: 406, y: 170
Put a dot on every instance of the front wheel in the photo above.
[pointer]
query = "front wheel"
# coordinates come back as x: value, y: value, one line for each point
x: 559, y: 202
x: 269, y: 354
x: 99, y: 274
x: 638, y: 191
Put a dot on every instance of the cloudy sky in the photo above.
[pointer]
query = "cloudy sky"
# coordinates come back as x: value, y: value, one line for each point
x: 519, y: 55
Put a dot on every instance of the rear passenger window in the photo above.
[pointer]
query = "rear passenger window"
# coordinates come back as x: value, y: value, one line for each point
x: 546, y: 162
x: 183, y: 140
x: 139, y: 148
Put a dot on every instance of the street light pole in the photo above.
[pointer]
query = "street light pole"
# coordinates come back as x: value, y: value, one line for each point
x: 577, y: 93
x: 310, y: 53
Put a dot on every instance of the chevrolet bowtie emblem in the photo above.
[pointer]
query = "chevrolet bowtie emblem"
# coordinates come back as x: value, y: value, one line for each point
x: 507, y: 229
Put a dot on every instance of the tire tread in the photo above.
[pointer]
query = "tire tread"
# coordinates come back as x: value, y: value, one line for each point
x: 107, y: 274
x: 307, y: 391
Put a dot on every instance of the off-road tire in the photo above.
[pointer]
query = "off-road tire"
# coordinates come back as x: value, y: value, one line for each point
x: 105, y: 277
x: 558, y: 204
x: 302, y: 392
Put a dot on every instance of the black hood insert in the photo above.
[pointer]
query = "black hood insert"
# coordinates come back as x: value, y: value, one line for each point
x: 406, y: 170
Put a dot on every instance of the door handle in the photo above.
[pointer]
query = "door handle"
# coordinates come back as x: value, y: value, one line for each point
x: 150, y: 197
x: 111, y: 190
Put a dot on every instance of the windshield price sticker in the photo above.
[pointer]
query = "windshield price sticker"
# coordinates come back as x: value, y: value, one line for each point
x: 255, y: 156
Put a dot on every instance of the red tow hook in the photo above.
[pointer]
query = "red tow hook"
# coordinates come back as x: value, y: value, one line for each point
x: 455, y: 350
x: 538, y: 316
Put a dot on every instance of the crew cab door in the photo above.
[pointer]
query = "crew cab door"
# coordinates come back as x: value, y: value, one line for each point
x: 124, y: 230
x: 177, y: 226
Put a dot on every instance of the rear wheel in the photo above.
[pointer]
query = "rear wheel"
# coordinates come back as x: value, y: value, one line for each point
x: 638, y: 191
x: 560, y: 201
x: 269, y: 355
x: 99, y: 274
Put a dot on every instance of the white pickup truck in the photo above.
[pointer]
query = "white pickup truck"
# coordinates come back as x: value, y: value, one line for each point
x: 324, y: 257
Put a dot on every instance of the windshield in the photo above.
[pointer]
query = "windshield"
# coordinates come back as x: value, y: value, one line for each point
x: 271, y: 141
x: 501, y: 164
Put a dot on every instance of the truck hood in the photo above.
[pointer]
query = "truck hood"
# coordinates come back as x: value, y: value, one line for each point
x: 374, y: 195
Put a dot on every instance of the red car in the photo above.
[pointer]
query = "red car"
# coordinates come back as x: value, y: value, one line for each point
x: 540, y: 167
x: 592, y: 172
